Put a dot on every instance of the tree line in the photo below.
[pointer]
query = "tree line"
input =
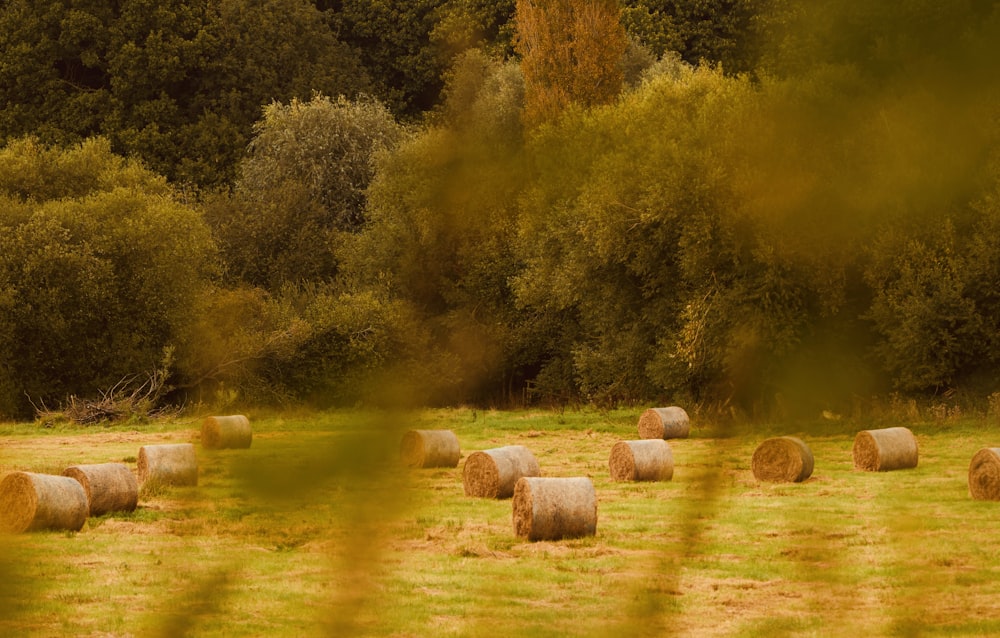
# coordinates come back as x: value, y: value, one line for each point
x: 766, y: 207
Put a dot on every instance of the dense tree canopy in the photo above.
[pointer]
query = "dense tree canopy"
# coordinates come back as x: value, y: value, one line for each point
x: 99, y: 266
x: 300, y: 188
x: 180, y: 84
x: 176, y: 83
x: 817, y: 229
x: 407, y: 45
x: 724, y: 32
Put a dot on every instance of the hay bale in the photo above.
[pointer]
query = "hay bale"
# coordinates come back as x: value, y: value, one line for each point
x: 554, y: 508
x: 168, y: 464
x: 30, y: 501
x: 664, y: 423
x: 783, y: 459
x: 219, y: 432
x: 493, y: 473
x: 984, y: 475
x: 646, y: 460
x: 885, y: 449
x: 430, y: 448
x: 110, y: 487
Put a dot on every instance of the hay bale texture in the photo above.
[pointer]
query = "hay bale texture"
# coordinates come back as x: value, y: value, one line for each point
x: 984, y: 475
x: 645, y: 460
x: 493, y: 473
x: 168, y: 464
x: 30, y: 502
x: 110, y: 487
x: 884, y: 450
x: 220, y: 432
x: 554, y: 508
x: 430, y: 448
x: 783, y: 459
x: 664, y: 423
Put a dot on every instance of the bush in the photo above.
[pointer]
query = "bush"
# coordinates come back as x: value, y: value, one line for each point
x: 98, y: 269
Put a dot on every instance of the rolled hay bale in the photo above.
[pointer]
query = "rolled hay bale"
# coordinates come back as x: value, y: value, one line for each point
x: 30, y: 502
x: 664, y: 423
x: 783, y: 459
x: 110, y: 487
x: 884, y: 450
x: 430, y: 448
x: 984, y: 475
x: 554, y: 508
x: 168, y: 464
x: 493, y: 473
x: 220, y: 432
x: 645, y: 460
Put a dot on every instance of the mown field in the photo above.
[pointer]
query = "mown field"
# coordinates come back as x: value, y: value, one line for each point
x: 318, y: 530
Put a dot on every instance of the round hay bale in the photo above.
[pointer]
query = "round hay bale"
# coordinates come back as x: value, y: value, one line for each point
x: 646, y: 460
x: 554, y: 508
x: 664, y: 423
x: 110, y: 487
x: 984, y: 475
x: 884, y: 450
x: 783, y: 459
x: 493, y: 473
x: 30, y: 502
x: 430, y: 448
x: 219, y: 432
x: 168, y: 464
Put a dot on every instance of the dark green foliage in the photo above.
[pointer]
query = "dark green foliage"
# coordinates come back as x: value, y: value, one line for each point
x: 932, y: 329
x: 314, y: 344
x: 936, y: 303
x: 272, y: 239
x: 408, y: 46
x: 393, y: 39
x: 327, y: 146
x: 98, y: 266
x: 176, y: 83
x: 723, y: 32
x: 788, y: 240
x: 301, y: 189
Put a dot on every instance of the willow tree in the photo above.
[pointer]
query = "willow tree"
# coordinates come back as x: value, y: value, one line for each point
x: 570, y: 54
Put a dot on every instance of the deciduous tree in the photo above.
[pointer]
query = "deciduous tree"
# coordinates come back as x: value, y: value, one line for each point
x: 571, y: 52
x: 99, y: 267
x: 176, y: 83
x: 301, y: 187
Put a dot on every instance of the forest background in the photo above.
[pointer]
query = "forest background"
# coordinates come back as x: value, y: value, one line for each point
x: 755, y: 207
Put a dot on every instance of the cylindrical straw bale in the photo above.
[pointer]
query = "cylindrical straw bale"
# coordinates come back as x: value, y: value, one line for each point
x: 30, y: 501
x: 664, y: 423
x: 783, y: 459
x: 984, y: 475
x: 645, y: 460
x: 110, y: 487
x: 430, y: 448
x: 885, y: 449
x: 554, y: 508
x: 218, y: 432
x: 168, y: 464
x: 493, y: 473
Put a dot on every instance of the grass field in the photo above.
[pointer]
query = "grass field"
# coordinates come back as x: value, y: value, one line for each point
x: 317, y: 530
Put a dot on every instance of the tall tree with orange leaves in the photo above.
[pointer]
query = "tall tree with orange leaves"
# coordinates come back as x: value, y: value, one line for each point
x: 571, y: 52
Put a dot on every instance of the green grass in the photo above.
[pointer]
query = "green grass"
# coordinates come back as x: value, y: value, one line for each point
x: 317, y: 530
